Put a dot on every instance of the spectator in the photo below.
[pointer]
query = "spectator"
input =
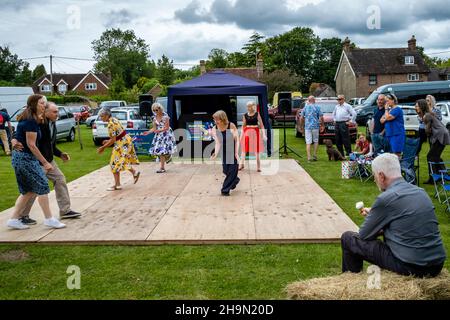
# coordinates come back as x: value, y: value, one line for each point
x: 164, y: 144
x: 47, y: 147
x: 311, y: 122
x: 226, y: 138
x: 30, y: 176
x: 431, y: 101
x: 364, y: 146
x: 343, y: 115
x: 379, y: 141
x: 4, y: 118
x: 394, y: 125
x: 251, y: 135
x: 123, y: 155
x: 437, y: 133
x: 405, y: 215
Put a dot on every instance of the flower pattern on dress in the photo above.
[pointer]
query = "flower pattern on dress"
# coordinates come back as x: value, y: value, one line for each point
x: 164, y: 142
x: 123, y: 155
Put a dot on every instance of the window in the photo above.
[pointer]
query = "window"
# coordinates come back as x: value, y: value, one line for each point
x: 62, y: 88
x: 413, y: 77
x: 62, y: 113
x: 443, y: 108
x: 409, y: 60
x: 373, y: 80
x: 448, y: 76
x: 46, y: 88
x: 90, y: 86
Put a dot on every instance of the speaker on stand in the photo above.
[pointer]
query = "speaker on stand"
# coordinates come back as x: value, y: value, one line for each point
x: 145, y: 107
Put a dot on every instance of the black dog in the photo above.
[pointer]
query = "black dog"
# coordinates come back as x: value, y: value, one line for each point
x: 333, y: 154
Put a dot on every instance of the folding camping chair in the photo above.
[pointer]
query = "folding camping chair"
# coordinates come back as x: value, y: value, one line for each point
x: 408, y: 161
x: 363, y: 169
x: 440, y: 176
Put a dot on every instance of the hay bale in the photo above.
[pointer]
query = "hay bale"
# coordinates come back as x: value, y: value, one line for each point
x: 351, y: 286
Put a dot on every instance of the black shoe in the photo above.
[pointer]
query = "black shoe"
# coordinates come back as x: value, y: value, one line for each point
x: 225, y: 194
x: 235, y: 185
x: 27, y: 221
x: 71, y: 215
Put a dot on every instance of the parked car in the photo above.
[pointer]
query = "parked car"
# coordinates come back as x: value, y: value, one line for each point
x: 128, y: 117
x: 444, y: 106
x: 294, y: 95
x: 411, y: 121
x: 113, y: 104
x: 94, y: 114
x: 407, y: 94
x: 356, y: 101
x: 81, y: 113
x: 327, y: 108
x: 275, y: 116
x: 65, y: 125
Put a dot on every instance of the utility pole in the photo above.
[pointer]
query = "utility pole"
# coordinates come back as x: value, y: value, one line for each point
x: 51, y: 73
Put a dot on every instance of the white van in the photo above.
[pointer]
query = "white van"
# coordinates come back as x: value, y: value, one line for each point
x: 14, y: 98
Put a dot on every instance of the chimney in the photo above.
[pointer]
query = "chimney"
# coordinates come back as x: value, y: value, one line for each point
x: 412, y: 44
x: 202, y: 67
x: 347, y: 44
x: 259, y: 65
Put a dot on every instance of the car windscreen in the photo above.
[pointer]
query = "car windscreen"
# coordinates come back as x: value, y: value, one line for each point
x: 409, y: 112
x: 372, y: 99
x: 296, y: 103
x: 327, y: 107
x: 121, y: 116
x: 75, y: 109
x: 16, y: 114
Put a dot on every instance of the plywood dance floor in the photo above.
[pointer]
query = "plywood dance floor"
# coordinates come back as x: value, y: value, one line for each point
x: 184, y: 206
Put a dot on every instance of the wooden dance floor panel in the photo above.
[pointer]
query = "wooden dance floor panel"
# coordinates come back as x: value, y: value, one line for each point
x: 184, y: 206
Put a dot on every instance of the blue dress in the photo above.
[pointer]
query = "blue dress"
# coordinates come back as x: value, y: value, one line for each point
x: 30, y: 175
x: 395, y: 131
x: 164, y: 142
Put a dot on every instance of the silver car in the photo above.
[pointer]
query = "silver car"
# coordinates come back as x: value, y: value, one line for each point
x: 128, y: 117
x: 65, y: 125
x: 444, y: 106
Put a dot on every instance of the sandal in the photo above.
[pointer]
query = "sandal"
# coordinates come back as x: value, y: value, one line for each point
x: 161, y: 171
x: 136, y: 177
x: 114, y: 188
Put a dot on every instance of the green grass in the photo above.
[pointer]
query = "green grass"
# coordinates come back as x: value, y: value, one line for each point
x: 181, y: 272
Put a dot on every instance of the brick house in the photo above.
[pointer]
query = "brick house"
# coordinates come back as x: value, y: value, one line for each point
x: 86, y: 84
x: 361, y: 71
x: 439, y: 74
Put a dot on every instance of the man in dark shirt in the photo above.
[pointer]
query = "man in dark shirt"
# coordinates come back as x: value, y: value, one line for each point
x: 4, y: 118
x: 378, y: 139
x: 47, y: 146
x: 404, y: 215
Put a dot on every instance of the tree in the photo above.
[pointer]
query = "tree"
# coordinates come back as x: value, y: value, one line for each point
x: 217, y: 59
x: 252, y: 48
x: 165, y: 72
x: 38, y: 72
x: 25, y: 78
x: 116, y: 88
x: 11, y: 67
x: 293, y: 50
x: 429, y: 61
x: 121, y: 54
x: 280, y: 80
x: 236, y: 60
x: 326, y: 60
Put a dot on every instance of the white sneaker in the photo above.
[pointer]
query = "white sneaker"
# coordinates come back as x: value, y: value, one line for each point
x: 16, y: 224
x: 54, y: 223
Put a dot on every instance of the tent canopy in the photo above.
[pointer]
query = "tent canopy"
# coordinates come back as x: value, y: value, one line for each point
x: 219, y: 83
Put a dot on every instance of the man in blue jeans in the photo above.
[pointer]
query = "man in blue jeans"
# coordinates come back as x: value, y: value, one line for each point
x: 404, y: 215
x: 379, y: 141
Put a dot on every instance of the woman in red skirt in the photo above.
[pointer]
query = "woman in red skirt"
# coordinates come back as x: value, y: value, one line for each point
x: 252, y: 131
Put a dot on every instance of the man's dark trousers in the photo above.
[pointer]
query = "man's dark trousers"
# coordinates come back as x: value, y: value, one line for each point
x: 231, y: 179
x: 343, y: 138
x: 355, y: 251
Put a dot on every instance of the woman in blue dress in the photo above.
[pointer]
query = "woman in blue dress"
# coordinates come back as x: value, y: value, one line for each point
x: 30, y: 175
x: 394, y: 125
x: 164, y: 144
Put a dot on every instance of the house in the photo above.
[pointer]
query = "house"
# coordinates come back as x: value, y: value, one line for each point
x: 439, y: 74
x: 254, y: 74
x: 87, y: 84
x: 361, y: 71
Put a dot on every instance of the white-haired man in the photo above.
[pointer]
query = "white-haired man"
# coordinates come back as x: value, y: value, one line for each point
x: 404, y: 215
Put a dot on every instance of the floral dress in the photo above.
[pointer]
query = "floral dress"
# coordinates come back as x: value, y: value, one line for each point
x: 123, y: 154
x: 164, y: 142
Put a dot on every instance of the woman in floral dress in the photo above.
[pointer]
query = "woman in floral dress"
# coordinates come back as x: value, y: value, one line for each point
x: 164, y: 144
x: 123, y: 155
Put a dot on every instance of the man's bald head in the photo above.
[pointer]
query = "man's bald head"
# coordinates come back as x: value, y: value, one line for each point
x: 51, y: 111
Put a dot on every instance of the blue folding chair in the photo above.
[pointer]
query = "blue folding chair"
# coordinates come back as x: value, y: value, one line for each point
x: 408, y: 161
x: 440, y: 177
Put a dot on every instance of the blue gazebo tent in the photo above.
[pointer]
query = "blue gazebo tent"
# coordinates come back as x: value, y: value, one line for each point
x: 211, y: 92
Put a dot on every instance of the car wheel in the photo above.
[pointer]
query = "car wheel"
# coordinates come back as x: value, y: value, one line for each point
x: 71, y: 137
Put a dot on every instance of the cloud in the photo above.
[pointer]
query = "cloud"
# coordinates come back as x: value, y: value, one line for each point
x: 193, y: 13
x: 117, y: 18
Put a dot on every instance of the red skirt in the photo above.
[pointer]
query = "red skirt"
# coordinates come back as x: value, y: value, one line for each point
x: 251, y: 140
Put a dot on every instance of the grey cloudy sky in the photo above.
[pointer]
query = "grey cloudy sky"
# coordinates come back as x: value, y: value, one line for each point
x: 187, y: 30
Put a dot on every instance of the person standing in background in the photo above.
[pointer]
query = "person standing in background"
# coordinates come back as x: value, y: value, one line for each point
x: 343, y: 115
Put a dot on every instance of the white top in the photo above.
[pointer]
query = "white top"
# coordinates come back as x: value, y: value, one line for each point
x: 344, y: 112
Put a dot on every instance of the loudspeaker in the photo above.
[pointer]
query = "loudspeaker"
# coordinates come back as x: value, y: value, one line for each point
x: 285, y: 106
x: 145, y: 105
x: 285, y: 103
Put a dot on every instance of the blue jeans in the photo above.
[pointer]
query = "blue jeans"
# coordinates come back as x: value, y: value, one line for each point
x: 379, y: 143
